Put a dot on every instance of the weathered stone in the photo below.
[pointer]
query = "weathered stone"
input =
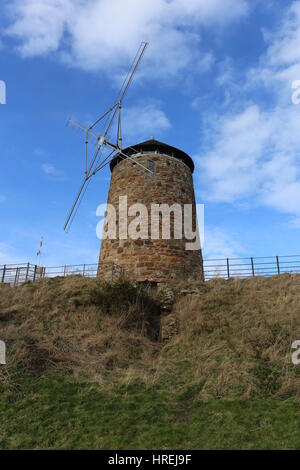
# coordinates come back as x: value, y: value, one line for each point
x: 168, y: 327
x: 151, y: 260
x: 166, y: 297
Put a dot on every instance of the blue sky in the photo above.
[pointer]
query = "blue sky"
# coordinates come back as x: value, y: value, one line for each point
x: 216, y: 81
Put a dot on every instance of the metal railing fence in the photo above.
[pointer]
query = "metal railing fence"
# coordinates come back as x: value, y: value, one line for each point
x: 213, y: 268
x: 253, y: 266
x: 16, y: 274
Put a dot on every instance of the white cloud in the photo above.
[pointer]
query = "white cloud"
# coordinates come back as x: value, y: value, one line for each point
x: 219, y: 245
x: 38, y: 152
x: 295, y: 223
x: 7, y: 255
x: 59, y: 251
x: 39, y: 24
x: 280, y: 65
x: 227, y: 72
x: 206, y: 62
x: 52, y: 172
x: 233, y: 163
x: 254, y: 153
x: 49, y: 169
x: 104, y: 34
x: 140, y: 122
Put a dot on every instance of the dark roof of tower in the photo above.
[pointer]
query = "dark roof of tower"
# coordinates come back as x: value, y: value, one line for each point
x: 153, y: 145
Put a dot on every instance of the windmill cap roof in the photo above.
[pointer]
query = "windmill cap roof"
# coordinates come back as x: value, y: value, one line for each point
x: 153, y: 145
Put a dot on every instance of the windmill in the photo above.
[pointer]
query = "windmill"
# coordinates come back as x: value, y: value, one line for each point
x: 106, y: 149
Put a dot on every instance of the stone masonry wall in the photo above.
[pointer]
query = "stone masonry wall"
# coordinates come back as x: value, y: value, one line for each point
x: 151, y: 260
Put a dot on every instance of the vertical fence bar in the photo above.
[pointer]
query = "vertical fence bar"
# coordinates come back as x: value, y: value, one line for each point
x: 34, y: 272
x: 228, y: 269
x: 278, y: 265
x: 83, y: 273
x: 252, y: 267
x: 16, y: 276
x: 3, y: 273
x: 65, y: 270
x: 27, y: 271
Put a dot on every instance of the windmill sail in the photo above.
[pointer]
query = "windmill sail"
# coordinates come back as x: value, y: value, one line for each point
x: 102, y: 140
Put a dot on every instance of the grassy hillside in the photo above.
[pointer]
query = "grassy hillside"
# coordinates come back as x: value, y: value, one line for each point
x: 86, y: 367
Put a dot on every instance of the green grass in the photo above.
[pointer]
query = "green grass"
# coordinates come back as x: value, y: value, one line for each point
x: 63, y: 413
x: 231, y: 342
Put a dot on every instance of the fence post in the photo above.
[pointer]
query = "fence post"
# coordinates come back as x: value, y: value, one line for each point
x: 17, y: 276
x: 65, y: 269
x: 83, y: 273
x: 34, y: 272
x: 228, y: 270
x: 278, y: 265
x: 3, y: 274
x: 27, y: 271
x: 252, y: 267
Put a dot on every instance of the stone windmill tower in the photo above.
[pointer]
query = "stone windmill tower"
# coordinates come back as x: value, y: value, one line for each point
x: 171, y: 182
x: 149, y: 174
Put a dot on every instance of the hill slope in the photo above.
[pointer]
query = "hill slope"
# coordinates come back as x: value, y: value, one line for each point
x: 86, y: 367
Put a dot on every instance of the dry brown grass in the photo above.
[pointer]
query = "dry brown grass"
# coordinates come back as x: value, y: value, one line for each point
x: 67, y: 325
x: 234, y: 337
